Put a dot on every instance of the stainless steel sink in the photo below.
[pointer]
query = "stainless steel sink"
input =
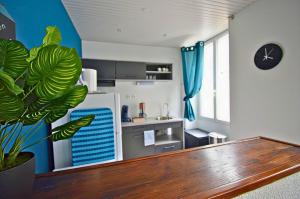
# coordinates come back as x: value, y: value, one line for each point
x: 163, y: 118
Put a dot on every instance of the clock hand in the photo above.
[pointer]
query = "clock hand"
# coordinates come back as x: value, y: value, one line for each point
x: 270, y: 51
x: 266, y: 53
x: 270, y: 57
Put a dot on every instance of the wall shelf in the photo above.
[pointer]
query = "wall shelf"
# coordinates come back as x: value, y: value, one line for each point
x: 166, y: 139
x: 142, y: 80
x: 159, y: 72
x: 156, y: 72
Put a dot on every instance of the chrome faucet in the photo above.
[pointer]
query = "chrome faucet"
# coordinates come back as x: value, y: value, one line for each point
x: 167, y: 110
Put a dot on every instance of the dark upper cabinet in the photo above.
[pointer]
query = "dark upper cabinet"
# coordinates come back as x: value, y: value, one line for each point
x: 111, y: 70
x: 130, y: 70
x: 7, y: 28
x: 106, y: 70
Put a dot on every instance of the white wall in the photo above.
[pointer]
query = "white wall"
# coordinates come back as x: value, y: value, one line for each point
x: 265, y: 103
x: 153, y: 95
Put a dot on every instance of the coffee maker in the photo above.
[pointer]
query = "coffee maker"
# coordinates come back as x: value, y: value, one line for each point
x: 124, y: 114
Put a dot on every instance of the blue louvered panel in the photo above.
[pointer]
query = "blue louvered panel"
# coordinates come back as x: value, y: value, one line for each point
x: 96, y: 142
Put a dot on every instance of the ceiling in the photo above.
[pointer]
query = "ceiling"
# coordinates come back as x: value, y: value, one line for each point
x: 170, y: 23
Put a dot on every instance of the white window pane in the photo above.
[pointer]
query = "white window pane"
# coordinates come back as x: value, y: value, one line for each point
x: 207, y: 89
x: 222, y: 79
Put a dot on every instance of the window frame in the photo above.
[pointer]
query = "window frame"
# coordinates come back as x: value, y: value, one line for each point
x: 213, y: 40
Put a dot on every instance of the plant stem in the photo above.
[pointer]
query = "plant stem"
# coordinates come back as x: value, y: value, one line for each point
x: 3, y: 129
x: 17, y: 147
x: 30, y: 91
x: 37, y: 142
x: 12, y: 130
x: 18, y: 138
x: 34, y: 143
x: 3, y: 138
x: 37, y: 123
x: 10, y: 134
x: 1, y: 159
x: 21, y: 75
x: 38, y: 126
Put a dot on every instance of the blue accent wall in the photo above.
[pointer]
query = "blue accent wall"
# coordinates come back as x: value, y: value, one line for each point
x: 32, y: 17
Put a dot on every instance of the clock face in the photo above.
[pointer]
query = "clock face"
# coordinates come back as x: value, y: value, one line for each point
x: 268, y: 56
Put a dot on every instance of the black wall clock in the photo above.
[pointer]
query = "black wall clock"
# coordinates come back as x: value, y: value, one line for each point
x: 268, y: 56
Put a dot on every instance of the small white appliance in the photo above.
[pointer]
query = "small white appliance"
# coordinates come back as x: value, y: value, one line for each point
x: 88, y: 77
x: 62, y: 150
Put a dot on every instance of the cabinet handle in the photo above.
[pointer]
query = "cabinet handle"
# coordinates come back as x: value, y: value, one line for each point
x: 169, y: 147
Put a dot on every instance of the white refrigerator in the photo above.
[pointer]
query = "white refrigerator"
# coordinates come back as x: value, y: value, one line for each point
x: 99, y: 143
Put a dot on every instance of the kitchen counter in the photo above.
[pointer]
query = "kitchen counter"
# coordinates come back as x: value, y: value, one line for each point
x: 216, y: 171
x: 133, y: 137
x: 150, y: 121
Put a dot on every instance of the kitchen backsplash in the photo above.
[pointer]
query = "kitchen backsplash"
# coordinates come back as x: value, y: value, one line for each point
x: 154, y: 96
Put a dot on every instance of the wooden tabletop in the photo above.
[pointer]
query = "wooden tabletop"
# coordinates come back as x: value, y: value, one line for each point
x: 218, y: 171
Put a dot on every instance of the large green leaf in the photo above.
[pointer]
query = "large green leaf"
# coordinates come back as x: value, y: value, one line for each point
x: 13, y: 56
x: 9, y: 82
x: 33, y: 53
x: 56, y: 108
x: 11, y: 105
x: 32, y: 118
x: 67, y: 130
x: 59, y: 107
x: 53, y: 36
x: 54, y: 71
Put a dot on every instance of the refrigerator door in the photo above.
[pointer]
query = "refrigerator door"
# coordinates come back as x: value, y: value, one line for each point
x: 94, y: 143
x: 62, y: 150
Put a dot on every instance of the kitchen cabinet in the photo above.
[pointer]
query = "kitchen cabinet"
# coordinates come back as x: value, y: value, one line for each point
x: 130, y: 70
x: 168, y: 147
x: 7, y: 28
x: 133, y: 138
x: 106, y: 70
x: 134, y: 146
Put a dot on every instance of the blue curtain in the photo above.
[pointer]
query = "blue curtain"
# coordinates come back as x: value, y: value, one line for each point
x: 192, y: 63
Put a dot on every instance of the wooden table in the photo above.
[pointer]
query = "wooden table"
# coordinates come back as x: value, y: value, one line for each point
x: 215, y: 171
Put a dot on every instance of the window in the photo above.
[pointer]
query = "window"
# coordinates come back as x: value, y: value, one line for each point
x: 214, y: 94
x: 207, y: 89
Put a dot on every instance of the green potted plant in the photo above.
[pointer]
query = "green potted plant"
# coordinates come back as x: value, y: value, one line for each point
x: 35, y: 86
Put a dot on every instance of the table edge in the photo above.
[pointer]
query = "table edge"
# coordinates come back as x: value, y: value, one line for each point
x: 91, y: 167
x: 250, y: 186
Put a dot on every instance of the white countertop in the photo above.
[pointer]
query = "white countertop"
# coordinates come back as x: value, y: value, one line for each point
x: 151, y: 121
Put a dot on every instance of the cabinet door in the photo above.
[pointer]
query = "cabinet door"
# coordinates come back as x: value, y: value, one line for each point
x: 7, y: 28
x: 133, y: 145
x: 168, y: 147
x: 130, y: 70
x: 106, y: 70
